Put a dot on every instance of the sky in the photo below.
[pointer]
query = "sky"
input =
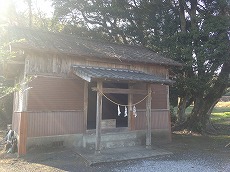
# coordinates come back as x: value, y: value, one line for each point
x: 45, y: 6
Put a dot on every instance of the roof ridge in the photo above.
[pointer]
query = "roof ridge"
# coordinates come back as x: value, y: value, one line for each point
x: 71, y: 44
x: 78, y: 37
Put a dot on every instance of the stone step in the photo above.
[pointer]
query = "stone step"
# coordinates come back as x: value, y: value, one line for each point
x: 112, y: 140
x: 111, y: 136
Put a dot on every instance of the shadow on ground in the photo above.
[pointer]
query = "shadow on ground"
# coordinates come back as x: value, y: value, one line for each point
x: 190, y: 153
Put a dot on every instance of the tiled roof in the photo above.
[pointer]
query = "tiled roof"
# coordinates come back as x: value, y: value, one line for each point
x: 73, y: 45
x: 89, y: 73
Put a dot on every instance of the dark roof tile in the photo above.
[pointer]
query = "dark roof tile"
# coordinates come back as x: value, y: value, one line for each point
x: 72, y: 45
x: 89, y: 73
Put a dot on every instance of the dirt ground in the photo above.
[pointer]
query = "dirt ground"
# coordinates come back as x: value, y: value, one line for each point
x: 190, y: 153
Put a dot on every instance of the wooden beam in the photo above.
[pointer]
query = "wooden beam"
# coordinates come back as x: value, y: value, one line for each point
x: 25, y: 86
x: 85, y: 104
x: 98, y: 119
x: 131, y: 121
x: 169, y: 115
x: 121, y: 91
x: 148, y: 117
x: 22, y: 133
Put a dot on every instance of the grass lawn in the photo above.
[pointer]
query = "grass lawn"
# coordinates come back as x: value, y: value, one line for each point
x: 220, y: 107
x: 220, y: 116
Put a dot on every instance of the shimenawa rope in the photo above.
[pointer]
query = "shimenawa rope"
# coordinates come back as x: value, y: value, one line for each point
x: 123, y: 104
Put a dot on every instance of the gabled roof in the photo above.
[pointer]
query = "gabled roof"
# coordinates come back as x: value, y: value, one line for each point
x: 90, y: 73
x: 73, y: 45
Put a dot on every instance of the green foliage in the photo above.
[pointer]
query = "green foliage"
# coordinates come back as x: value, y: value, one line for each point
x: 6, y: 86
x: 173, y: 115
x: 191, y: 32
x: 227, y: 92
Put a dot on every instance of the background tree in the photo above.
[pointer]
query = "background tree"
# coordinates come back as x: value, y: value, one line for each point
x: 190, y: 31
x: 6, y: 85
x: 206, y: 77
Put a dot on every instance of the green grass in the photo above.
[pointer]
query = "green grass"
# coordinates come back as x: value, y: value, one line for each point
x: 215, y: 110
x: 220, y: 109
x: 221, y: 118
x: 220, y: 114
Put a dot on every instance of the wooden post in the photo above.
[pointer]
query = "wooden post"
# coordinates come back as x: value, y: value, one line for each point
x: 169, y: 115
x: 98, y: 118
x: 25, y: 86
x: 85, y: 104
x: 131, y: 122
x: 168, y: 107
x: 22, y: 134
x: 148, y: 117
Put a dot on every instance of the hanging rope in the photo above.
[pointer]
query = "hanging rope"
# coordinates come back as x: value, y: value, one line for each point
x: 123, y: 104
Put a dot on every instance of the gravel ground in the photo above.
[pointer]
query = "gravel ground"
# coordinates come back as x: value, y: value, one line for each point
x: 66, y: 160
x: 189, y: 154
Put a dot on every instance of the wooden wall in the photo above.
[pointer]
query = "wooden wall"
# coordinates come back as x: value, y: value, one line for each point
x: 47, y: 94
x: 50, y: 123
x: 60, y: 65
x: 55, y: 123
x: 160, y: 119
x: 159, y: 96
x: 55, y: 107
x: 16, y: 121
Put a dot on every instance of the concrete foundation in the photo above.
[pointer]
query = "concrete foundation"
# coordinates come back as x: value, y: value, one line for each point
x: 70, y: 140
x: 108, y: 140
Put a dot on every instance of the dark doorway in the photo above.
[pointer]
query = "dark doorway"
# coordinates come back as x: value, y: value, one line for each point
x: 109, y: 109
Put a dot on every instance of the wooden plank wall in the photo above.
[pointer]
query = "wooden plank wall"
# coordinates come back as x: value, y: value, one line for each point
x: 53, y: 94
x: 23, y: 126
x: 159, y: 96
x: 55, y: 123
x: 19, y: 125
x: 60, y: 65
x: 16, y: 121
x: 160, y: 119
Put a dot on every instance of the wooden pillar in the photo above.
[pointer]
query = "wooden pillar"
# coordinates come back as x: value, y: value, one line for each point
x: 85, y: 104
x: 98, y: 118
x: 169, y: 115
x: 131, y: 122
x: 25, y: 86
x: 148, y: 117
x: 22, y: 134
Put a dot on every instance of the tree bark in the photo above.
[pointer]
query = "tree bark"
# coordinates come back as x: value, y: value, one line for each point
x: 181, y: 110
x: 199, y: 119
x: 182, y: 17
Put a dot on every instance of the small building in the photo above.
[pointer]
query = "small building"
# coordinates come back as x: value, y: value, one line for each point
x: 87, y: 93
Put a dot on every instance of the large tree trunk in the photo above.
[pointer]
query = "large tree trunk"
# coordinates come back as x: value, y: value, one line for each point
x: 200, y: 115
x: 181, y: 110
x: 199, y: 119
